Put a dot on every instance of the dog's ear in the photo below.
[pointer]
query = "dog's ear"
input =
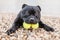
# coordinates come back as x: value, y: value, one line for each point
x: 39, y: 7
x: 24, y: 5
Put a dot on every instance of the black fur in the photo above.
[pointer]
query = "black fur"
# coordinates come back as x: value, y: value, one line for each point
x: 29, y: 14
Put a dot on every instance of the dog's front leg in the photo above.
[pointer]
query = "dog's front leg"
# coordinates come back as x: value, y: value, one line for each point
x: 47, y: 28
x: 17, y: 24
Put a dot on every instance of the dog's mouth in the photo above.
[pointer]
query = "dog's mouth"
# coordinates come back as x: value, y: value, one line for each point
x: 31, y: 22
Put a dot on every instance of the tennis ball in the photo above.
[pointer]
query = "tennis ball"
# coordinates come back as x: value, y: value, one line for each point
x: 27, y: 26
x: 35, y: 26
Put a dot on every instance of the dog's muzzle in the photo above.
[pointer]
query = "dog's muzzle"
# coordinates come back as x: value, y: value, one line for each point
x: 31, y: 20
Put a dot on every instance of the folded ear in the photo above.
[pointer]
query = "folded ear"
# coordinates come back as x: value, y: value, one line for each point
x: 39, y: 7
x: 24, y: 5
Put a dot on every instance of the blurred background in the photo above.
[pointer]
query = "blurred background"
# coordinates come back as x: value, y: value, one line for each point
x: 49, y: 7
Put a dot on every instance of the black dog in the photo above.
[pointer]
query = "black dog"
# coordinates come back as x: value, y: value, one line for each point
x: 28, y: 14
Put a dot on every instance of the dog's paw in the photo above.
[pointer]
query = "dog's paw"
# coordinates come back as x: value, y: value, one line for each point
x: 50, y: 29
x: 47, y: 28
x: 10, y: 31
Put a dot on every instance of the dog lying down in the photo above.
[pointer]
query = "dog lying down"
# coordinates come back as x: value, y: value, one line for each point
x: 27, y: 16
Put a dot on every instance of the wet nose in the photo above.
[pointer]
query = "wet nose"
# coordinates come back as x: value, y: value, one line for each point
x: 31, y: 19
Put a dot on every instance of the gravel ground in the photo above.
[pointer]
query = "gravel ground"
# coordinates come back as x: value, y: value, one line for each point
x: 6, y: 21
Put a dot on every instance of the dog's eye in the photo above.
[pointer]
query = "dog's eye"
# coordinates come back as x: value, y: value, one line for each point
x: 36, y: 16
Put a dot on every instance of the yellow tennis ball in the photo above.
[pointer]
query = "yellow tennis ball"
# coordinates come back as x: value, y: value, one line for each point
x: 35, y: 26
x: 27, y: 26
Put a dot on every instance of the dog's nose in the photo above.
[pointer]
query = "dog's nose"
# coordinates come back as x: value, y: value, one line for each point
x: 31, y: 19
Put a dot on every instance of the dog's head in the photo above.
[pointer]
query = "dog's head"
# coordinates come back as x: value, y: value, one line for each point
x: 31, y: 14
